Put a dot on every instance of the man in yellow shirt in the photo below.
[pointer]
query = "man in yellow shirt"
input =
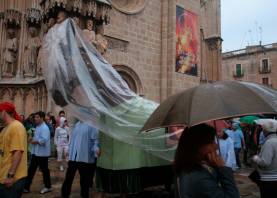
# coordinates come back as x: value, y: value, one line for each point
x: 13, y: 152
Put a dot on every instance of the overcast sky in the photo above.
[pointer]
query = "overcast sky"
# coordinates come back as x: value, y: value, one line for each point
x: 242, y: 19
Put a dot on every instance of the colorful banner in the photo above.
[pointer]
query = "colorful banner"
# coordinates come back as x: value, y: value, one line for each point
x: 186, y: 41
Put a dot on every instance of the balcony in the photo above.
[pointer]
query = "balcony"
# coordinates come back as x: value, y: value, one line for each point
x: 265, y: 70
x: 238, y: 74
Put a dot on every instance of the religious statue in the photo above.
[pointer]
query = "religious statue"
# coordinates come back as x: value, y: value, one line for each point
x: 39, y: 63
x: 31, y: 53
x: 89, y: 32
x: 77, y: 20
x: 10, y: 54
x: 102, y: 43
x: 51, y: 22
x: 62, y: 15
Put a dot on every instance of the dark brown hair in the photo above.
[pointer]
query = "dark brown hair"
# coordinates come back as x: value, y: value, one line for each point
x: 192, y: 139
x: 41, y: 114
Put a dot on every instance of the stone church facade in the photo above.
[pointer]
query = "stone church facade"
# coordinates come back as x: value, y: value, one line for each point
x: 140, y: 37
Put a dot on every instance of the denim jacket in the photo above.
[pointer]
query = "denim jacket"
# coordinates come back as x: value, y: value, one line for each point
x: 206, y: 182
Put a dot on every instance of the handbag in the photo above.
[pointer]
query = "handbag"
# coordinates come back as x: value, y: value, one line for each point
x: 255, y: 177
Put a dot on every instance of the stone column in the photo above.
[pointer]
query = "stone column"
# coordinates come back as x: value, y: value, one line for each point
x: 36, y: 99
x: 40, y: 97
x: 171, y: 46
x: 24, y: 96
x: 44, y: 99
x: 13, y: 95
x: 22, y: 40
x: 164, y: 51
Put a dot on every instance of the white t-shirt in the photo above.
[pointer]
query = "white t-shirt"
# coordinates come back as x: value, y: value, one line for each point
x: 62, y: 136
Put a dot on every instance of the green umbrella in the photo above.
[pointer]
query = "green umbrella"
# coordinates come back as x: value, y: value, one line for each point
x: 248, y: 119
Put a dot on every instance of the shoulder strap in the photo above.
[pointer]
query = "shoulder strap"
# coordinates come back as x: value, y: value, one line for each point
x: 178, y: 190
x: 178, y: 187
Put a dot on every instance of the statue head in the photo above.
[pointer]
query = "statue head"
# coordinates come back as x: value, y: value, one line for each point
x: 89, y: 24
x: 11, y: 33
x: 62, y: 15
x: 33, y: 31
x: 77, y: 20
x: 51, y: 22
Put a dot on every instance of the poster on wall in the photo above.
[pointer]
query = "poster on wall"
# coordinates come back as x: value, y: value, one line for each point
x: 186, y: 42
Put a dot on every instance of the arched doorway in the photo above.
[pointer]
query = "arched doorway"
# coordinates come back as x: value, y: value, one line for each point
x: 130, y: 77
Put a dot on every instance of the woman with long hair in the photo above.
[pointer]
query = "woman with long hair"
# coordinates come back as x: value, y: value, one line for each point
x: 199, y: 169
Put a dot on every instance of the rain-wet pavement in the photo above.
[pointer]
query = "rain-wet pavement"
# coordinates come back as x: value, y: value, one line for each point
x: 246, y: 187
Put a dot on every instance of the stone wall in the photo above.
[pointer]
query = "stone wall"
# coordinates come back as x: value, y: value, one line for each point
x: 142, y: 33
x: 151, y: 38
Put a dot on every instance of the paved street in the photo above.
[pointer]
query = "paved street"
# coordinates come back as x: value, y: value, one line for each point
x: 247, y: 188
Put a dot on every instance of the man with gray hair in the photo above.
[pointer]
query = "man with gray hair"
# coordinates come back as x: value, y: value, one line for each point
x: 267, y: 159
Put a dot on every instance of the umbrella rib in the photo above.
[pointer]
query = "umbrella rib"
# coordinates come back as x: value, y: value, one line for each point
x: 190, y: 105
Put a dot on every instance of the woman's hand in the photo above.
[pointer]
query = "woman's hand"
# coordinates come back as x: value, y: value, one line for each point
x: 214, y: 160
x: 210, y: 156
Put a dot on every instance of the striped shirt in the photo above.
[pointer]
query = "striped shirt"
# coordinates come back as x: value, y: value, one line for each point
x: 267, y: 161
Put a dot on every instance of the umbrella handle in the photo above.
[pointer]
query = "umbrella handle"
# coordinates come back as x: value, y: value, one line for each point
x: 217, y: 141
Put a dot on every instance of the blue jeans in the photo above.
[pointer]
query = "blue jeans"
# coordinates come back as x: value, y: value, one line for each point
x: 237, y: 152
x: 15, y: 191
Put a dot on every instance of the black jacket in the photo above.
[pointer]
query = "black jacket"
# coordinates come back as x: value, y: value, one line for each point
x: 206, y: 182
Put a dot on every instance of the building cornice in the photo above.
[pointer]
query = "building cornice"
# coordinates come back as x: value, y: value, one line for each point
x: 250, y: 50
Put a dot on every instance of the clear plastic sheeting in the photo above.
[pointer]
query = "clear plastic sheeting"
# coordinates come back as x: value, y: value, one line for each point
x: 81, y: 81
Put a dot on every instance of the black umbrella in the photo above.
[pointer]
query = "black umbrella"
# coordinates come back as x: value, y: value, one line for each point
x: 213, y: 101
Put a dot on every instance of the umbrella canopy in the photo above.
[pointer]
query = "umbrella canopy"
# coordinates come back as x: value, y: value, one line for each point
x: 248, y: 119
x: 213, y: 101
x: 219, y: 125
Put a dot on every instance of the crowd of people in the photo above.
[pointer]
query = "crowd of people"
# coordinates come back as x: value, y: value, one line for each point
x: 205, y: 159
x: 78, y: 148
x: 257, y: 140
x: 207, y: 163
x: 240, y: 140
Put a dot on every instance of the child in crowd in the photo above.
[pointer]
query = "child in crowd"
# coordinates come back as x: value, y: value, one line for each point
x: 61, y: 141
